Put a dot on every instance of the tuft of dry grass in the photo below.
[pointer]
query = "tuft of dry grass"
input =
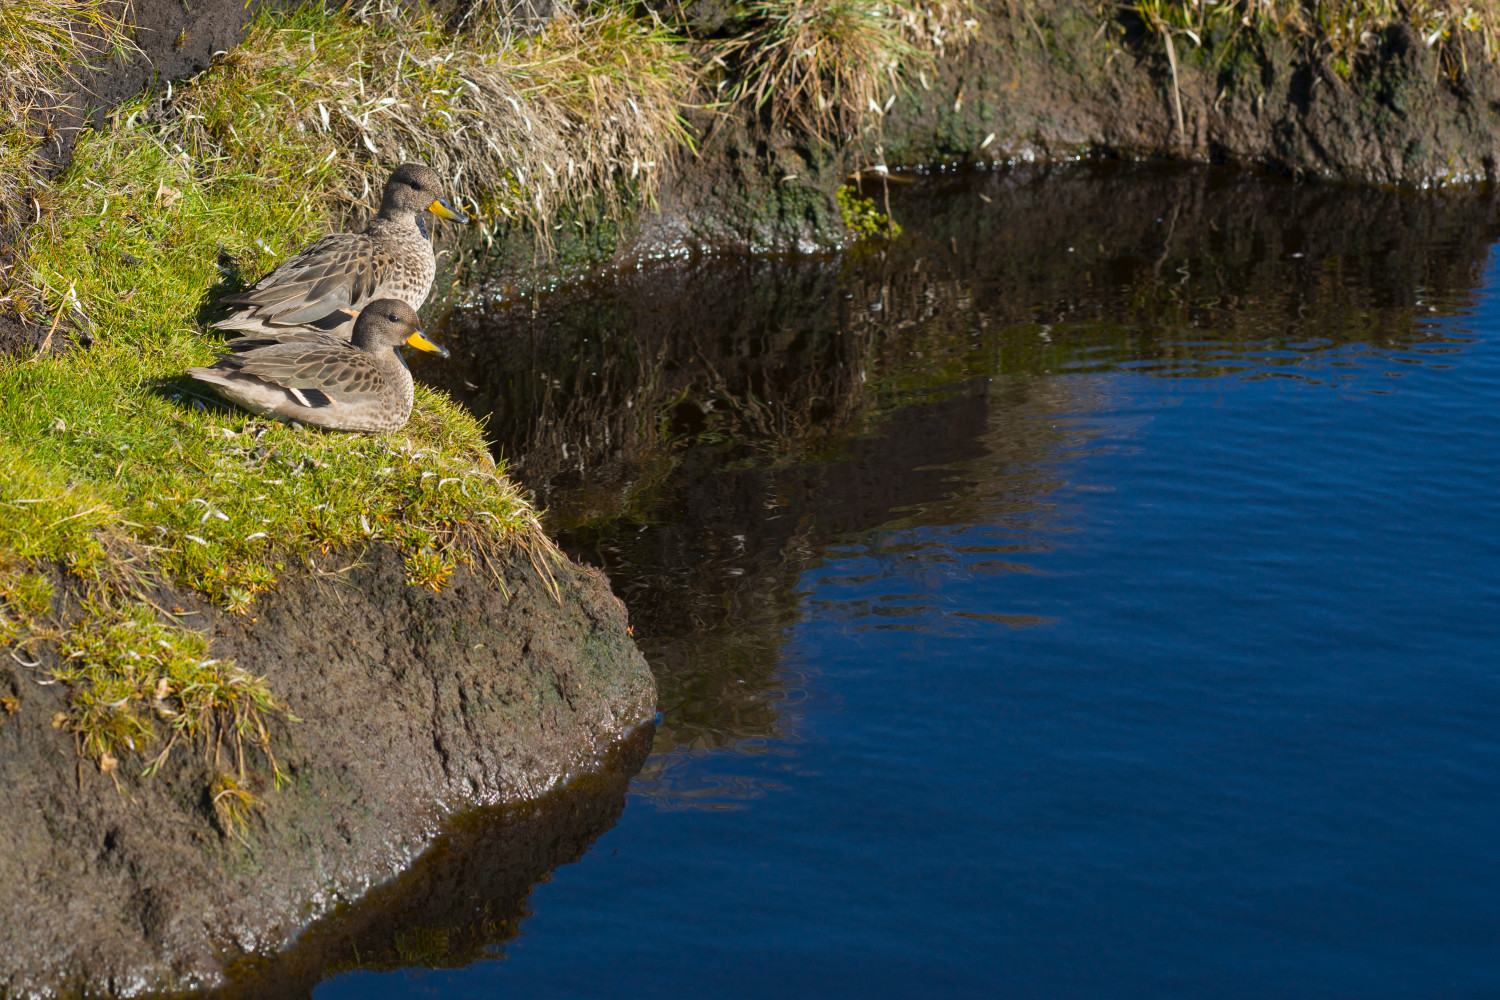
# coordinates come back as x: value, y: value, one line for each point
x: 43, y: 39
x: 127, y: 671
x: 1341, y: 30
x: 585, y: 108
x: 830, y: 67
x: 42, y: 42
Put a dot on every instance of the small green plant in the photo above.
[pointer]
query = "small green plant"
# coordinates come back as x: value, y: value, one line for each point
x: 28, y: 593
x: 862, y: 218
x: 422, y: 945
x: 429, y: 568
x: 24, y: 599
x: 135, y: 682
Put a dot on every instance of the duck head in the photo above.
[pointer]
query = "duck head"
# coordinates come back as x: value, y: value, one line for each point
x: 389, y: 323
x: 416, y: 188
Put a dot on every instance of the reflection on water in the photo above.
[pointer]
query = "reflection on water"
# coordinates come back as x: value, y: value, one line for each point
x: 1078, y: 597
x: 462, y: 899
x: 701, y: 430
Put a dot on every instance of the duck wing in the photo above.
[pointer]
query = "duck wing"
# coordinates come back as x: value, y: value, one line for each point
x: 314, y: 374
x: 339, y: 273
x: 293, y: 335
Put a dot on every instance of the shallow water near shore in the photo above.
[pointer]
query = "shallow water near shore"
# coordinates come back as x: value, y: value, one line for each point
x: 1095, y: 593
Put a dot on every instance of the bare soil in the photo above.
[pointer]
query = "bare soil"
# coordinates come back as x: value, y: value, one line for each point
x: 411, y: 705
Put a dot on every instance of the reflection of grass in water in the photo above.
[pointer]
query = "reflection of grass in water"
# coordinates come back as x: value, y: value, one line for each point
x: 719, y: 687
x: 422, y: 945
x: 1184, y: 290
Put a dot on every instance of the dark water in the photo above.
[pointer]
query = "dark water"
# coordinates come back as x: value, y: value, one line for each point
x: 1093, y: 595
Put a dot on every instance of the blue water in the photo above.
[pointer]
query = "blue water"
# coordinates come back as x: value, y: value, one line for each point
x: 1173, y: 686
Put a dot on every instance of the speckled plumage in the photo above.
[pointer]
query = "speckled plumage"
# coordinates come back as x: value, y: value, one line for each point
x: 323, y: 288
x: 318, y: 379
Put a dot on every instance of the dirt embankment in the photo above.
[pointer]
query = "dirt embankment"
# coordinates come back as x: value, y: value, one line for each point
x: 1047, y: 81
x: 1061, y: 79
x: 408, y: 705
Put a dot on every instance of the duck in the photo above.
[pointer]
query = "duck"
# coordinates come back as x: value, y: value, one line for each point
x: 320, y: 380
x: 323, y: 288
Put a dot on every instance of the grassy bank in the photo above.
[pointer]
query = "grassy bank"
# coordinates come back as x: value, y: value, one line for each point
x: 1337, y: 33
x: 125, y: 483
x: 120, y: 482
x: 122, y: 476
x: 120, y: 472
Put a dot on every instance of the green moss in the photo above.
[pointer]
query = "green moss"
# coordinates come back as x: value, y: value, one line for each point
x: 862, y: 218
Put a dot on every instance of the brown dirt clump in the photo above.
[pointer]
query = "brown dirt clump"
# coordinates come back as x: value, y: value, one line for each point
x: 408, y: 705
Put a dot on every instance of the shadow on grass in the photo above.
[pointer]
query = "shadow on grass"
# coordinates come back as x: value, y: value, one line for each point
x: 185, y: 391
x: 211, y: 308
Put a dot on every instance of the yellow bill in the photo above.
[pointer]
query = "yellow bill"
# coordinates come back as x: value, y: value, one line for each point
x: 421, y: 343
x: 443, y: 210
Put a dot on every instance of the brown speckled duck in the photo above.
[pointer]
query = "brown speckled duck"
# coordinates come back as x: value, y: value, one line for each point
x: 323, y: 288
x: 318, y: 379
